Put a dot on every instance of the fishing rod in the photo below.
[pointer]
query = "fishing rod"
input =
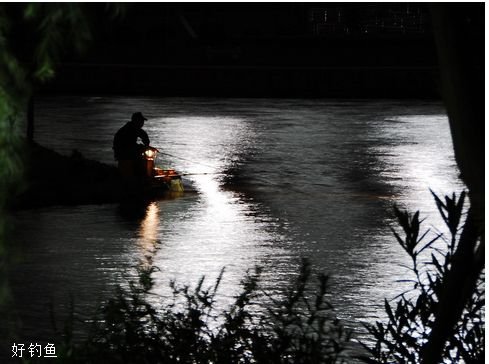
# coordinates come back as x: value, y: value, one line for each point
x: 188, y: 160
x: 221, y: 173
x: 202, y: 174
x: 185, y: 159
x: 265, y: 181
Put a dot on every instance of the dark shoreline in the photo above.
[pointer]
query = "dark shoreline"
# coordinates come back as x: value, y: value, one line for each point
x: 54, y: 179
x: 401, y: 82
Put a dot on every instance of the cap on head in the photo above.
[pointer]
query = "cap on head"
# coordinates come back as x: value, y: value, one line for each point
x: 137, y: 116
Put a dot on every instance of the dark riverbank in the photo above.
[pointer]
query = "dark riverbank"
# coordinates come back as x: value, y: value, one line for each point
x: 248, y: 81
x: 54, y: 179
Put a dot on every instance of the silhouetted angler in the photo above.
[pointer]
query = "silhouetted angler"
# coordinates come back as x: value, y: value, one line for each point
x: 127, y: 150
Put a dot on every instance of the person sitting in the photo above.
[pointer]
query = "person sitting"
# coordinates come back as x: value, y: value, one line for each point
x: 127, y: 150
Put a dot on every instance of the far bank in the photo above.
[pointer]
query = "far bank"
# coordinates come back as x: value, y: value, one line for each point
x: 247, y: 81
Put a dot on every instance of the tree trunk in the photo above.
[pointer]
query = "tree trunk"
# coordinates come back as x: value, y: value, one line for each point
x: 459, y: 35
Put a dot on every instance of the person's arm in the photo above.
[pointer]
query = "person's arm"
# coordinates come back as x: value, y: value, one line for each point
x: 144, y: 137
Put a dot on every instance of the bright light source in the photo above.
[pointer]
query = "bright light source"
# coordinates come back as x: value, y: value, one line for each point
x: 149, y: 153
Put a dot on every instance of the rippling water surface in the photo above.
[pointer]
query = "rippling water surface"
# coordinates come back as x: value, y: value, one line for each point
x: 272, y: 181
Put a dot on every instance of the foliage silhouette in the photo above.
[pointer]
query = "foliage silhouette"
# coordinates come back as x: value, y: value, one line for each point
x: 190, y: 328
x: 411, y: 319
x: 33, y: 36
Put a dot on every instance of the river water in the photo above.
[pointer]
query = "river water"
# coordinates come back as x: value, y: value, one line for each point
x: 270, y: 181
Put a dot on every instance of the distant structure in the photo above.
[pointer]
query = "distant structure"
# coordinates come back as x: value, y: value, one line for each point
x: 330, y: 20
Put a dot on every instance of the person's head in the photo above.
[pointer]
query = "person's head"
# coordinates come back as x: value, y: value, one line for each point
x: 138, y: 119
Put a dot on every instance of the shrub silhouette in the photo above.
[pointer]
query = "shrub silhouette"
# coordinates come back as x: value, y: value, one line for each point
x: 189, y: 328
x: 411, y: 318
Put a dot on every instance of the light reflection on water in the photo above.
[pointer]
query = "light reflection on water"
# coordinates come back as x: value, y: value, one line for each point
x: 148, y: 233
x: 311, y: 178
